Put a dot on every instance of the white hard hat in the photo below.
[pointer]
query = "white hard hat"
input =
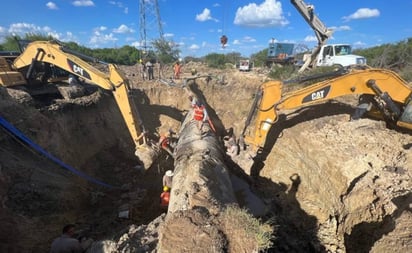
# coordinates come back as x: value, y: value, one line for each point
x: 169, y: 173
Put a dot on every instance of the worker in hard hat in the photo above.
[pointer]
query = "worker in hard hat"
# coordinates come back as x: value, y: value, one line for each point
x: 165, y: 197
x: 200, y: 115
x: 232, y: 148
x: 168, y: 180
x: 167, y: 142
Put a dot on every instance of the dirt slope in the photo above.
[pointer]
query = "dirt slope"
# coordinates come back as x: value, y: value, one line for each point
x: 331, y: 184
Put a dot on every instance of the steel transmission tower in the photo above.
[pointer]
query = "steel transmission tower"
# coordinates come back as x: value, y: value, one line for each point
x: 150, y: 23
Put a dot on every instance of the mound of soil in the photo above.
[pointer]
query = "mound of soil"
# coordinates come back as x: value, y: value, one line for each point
x: 329, y: 183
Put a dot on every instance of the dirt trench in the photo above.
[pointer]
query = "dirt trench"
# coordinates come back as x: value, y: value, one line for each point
x: 330, y: 184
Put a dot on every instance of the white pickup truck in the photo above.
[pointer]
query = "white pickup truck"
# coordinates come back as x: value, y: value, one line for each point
x: 338, y: 54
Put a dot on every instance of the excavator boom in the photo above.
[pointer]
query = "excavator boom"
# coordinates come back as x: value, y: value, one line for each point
x: 391, y: 90
x: 54, y: 54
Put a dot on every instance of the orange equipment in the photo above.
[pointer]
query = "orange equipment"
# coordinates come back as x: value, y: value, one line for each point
x: 223, y: 40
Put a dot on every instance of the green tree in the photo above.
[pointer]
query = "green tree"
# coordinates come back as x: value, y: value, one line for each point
x: 233, y: 57
x: 259, y: 58
x: 215, y: 60
x: 167, y: 51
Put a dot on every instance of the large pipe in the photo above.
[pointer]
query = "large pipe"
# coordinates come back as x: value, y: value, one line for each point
x: 201, y: 189
x: 200, y: 171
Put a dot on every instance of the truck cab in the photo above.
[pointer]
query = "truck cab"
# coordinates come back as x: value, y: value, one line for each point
x: 244, y: 65
x: 338, y: 54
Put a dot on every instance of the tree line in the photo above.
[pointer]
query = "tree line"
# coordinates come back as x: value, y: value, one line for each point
x: 395, y: 56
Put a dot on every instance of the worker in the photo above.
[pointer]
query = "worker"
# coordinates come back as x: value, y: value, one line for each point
x: 66, y: 242
x: 232, y: 149
x: 166, y: 142
x: 177, y: 70
x: 167, y: 186
x: 73, y: 80
x: 193, y: 101
x: 165, y: 197
x: 168, y: 179
x: 200, y: 115
x: 142, y: 69
x: 149, y: 67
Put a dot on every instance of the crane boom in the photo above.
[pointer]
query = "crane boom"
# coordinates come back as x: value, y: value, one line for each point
x: 321, y: 31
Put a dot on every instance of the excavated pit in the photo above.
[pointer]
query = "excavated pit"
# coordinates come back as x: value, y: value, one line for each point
x: 332, y: 184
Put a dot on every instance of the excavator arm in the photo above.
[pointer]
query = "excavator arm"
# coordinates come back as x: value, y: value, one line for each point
x: 392, y: 92
x: 51, y: 52
x: 321, y: 31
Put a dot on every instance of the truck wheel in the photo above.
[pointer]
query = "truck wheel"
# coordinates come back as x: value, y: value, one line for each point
x: 337, y: 67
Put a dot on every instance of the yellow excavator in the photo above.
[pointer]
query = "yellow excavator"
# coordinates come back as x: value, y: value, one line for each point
x: 40, y: 61
x: 385, y: 95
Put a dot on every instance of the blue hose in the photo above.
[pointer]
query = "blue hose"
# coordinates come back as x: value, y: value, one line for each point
x: 16, y: 132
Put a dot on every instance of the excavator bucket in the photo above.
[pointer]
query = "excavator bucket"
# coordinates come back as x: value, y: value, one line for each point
x: 146, y: 154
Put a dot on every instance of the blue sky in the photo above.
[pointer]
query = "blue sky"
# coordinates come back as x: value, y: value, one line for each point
x: 197, y: 25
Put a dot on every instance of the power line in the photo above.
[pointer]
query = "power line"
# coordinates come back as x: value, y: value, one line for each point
x: 150, y: 24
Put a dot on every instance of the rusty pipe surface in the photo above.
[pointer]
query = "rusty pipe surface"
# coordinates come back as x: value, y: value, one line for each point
x: 201, y: 177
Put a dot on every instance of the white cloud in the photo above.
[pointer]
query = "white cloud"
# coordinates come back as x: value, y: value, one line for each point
x: 205, y: 16
x: 267, y: 14
x: 340, y: 28
x: 194, y: 47
x: 168, y: 35
x: 98, y: 38
x: 310, y: 38
x: 135, y: 44
x: 359, y: 44
x: 102, y: 28
x: 236, y: 42
x: 363, y: 13
x: 123, y: 29
x: 249, y: 39
x: 128, y: 39
x: 23, y: 28
x: 120, y: 5
x: 52, y: 6
x: 83, y: 3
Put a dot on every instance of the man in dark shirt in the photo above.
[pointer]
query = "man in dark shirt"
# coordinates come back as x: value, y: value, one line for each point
x: 66, y: 243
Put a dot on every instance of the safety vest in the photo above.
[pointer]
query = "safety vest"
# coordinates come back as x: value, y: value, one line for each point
x: 164, y: 199
x: 199, y: 112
